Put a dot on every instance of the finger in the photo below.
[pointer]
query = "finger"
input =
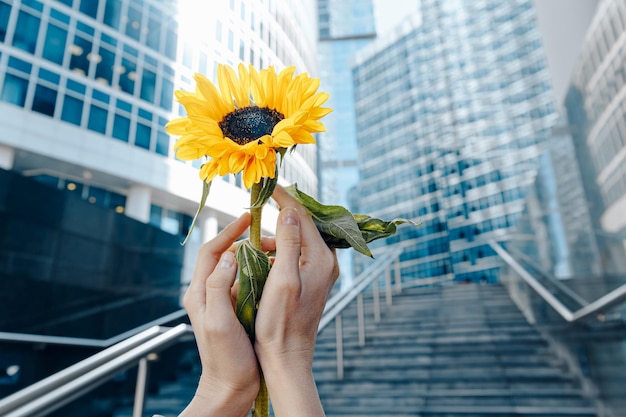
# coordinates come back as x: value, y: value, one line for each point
x: 218, y: 289
x: 284, y: 280
x: 208, y: 257
x: 312, y: 241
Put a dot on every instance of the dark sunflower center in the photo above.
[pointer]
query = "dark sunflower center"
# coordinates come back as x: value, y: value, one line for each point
x: 249, y: 123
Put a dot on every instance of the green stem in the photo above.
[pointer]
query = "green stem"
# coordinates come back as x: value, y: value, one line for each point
x: 261, y: 403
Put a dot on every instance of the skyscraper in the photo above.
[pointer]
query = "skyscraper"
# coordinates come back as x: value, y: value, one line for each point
x: 344, y: 27
x: 88, y: 85
x: 452, y: 110
x: 596, y: 108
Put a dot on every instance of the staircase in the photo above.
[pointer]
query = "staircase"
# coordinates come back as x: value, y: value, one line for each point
x: 457, y: 351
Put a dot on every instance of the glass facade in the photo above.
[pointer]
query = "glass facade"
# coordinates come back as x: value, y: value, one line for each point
x: 449, y: 134
x: 344, y: 28
x: 596, y: 108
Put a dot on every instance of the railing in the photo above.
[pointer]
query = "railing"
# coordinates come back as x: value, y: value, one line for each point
x: 601, y: 305
x: 65, y: 386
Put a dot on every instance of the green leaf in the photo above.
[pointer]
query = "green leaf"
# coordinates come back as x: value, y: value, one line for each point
x: 336, y: 222
x: 373, y: 228
x: 267, y: 188
x: 206, y: 186
x: 254, y: 267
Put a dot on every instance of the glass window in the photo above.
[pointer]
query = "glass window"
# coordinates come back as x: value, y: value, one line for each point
x: 127, y: 76
x: 120, y: 104
x: 153, y: 38
x: 133, y: 25
x: 44, y: 100
x: 162, y: 143
x: 97, y: 119
x: 34, y: 4
x: 104, y: 69
x: 167, y: 92
x: 142, y: 136
x: 49, y: 76
x: 112, y: 13
x: 80, y: 50
x: 148, y: 82
x: 89, y: 7
x: 74, y: 86
x: 5, y: 11
x: 170, y: 44
x: 218, y: 31
x: 26, y: 37
x: 72, y: 110
x: 231, y: 40
x: 54, y: 46
x: 61, y: 17
x: 121, y: 127
x: 67, y: 2
x: 14, y: 90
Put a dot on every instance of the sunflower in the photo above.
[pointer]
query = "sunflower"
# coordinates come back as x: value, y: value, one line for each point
x: 241, y: 125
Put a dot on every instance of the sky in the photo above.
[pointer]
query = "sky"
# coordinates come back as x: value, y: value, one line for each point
x: 388, y: 13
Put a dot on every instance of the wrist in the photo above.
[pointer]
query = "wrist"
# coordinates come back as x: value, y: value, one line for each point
x: 293, y: 388
x: 213, y: 400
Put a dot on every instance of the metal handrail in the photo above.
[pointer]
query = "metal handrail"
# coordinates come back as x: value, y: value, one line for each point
x: 90, y: 342
x: 336, y: 304
x: 61, y: 391
x: 66, y: 385
x: 603, y: 303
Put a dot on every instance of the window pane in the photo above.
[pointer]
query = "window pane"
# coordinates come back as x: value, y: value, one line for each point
x: 163, y: 143
x: 5, y: 11
x: 154, y: 34
x: 133, y: 25
x: 170, y: 44
x: 89, y: 7
x: 147, y: 85
x: 142, y: 137
x: 112, y: 13
x: 55, y: 44
x: 80, y: 50
x: 121, y: 127
x: 97, y: 119
x: 104, y: 70
x: 26, y: 37
x: 14, y: 90
x: 167, y: 92
x: 72, y: 110
x: 44, y: 100
x: 127, y: 78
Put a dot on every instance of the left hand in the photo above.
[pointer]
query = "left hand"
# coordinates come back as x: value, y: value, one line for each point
x: 230, y: 376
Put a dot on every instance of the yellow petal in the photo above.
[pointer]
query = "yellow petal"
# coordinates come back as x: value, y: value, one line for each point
x: 204, y: 126
x: 208, y: 171
x: 256, y: 87
x: 283, y: 83
x: 223, y: 80
x: 268, y: 81
x: 177, y: 126
x: 244, y: 86
x: 218, y: 105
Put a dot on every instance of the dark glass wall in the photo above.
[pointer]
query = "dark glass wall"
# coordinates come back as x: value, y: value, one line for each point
x: 71, y: 268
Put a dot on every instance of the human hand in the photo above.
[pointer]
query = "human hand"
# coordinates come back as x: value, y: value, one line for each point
x: 230, y: 376
x: 290, y: 309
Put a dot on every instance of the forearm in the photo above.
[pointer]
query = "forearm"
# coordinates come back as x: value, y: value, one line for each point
x: 293, y: 389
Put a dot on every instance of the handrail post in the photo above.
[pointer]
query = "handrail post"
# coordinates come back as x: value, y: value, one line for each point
x: 339, y: 341
x: 140, y: 387
x: 360, y: 319
x: 376, y: 301
x: 396, y: 273
x: 388, y: 286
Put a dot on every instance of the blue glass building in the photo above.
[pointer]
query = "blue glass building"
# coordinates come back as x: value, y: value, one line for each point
x: 452, y: 109
x: 345, y: 27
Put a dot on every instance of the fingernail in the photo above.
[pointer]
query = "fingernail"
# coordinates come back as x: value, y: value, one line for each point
x: 226, y: 261
x: 290, y: 216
